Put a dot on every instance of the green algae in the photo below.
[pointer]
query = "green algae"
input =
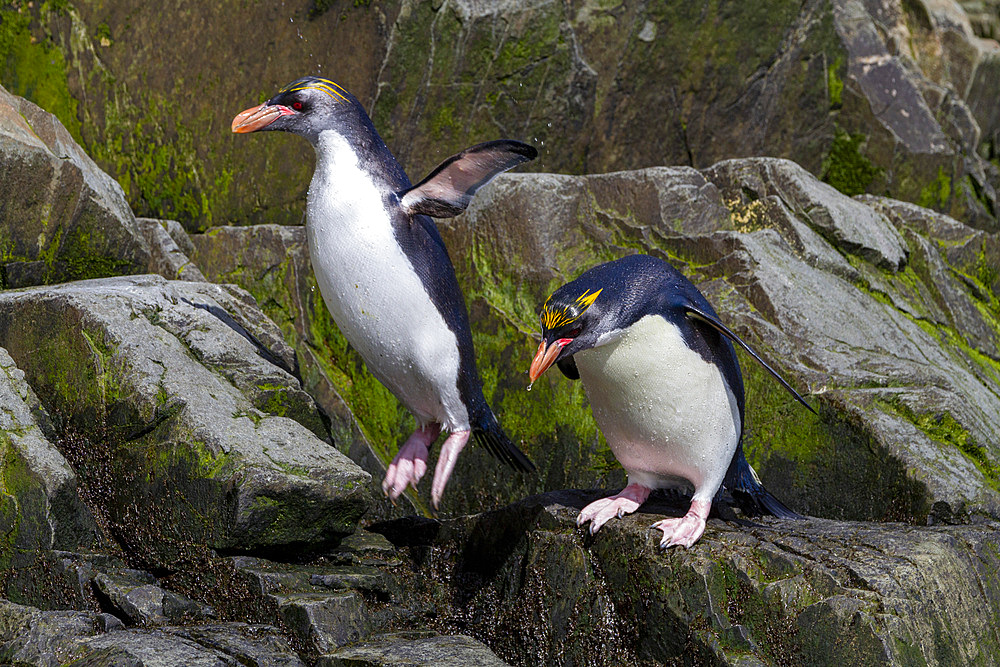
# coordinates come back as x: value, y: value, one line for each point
x: 845, y: 167
x: 937, y: 193
x: 835, y: 82
x: 946, y: 430
x: 35, y: 68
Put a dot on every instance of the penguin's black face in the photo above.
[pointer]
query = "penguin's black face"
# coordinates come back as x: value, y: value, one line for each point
x: 305, y: 107
x: 600, y: 304
x: 570, y: 321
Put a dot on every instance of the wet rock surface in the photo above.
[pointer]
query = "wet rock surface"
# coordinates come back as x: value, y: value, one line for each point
x: 883, y: 311
x: 881, y: 97
x: 63, y: 217
x: 189, y: 470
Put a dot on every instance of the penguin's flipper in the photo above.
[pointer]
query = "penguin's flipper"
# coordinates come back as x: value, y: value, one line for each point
x: 448, y: 189
x: 712, y: 321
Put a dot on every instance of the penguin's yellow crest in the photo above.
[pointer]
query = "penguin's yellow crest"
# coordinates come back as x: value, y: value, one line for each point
x: 553, y: 319
x: 331, y: 88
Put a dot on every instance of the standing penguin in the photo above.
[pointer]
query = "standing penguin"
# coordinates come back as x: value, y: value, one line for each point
x: 665, y: 387
x: 385, y: 274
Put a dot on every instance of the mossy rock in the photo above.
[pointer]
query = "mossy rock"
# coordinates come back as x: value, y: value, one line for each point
x: 142, y: 378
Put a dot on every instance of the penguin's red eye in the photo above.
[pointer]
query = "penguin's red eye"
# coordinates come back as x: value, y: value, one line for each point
x: 297, y: 106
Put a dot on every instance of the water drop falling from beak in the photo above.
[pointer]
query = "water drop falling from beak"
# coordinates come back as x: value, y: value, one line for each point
x: 530, y: 385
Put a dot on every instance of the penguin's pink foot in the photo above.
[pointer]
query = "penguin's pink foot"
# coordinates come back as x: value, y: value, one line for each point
x: 601, y: 511
x: 450, y: 450
x: 410, y: 463
x: 686, y: 530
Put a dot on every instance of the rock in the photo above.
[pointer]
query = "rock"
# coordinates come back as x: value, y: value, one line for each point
x: 406, y: 649
x: 248, y: 644
x: 30, y: 636
x: 162, y: 394
x: 40, y: 503
x: 137, y: 599
x: 64, y: 218
x: 890, y: 97
x: 537, y: 590
x: 168, y: 258
x: 872, y: 310
x: 324, y: 622
x: 881, y: 307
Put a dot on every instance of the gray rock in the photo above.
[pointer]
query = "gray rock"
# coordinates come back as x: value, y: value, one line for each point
x: 30, y: 636
x: 850, y: 226
x: 414, y: 649
x: 138, y: 600
x: 324, y: 622
x: 879, y: 307
x: 249, y: 644
x: 116, y: 362
x: 63, y: 217
x: 40, y: 503
x: 167, y: 257
x: 537, y: 590
x: 149, y: 648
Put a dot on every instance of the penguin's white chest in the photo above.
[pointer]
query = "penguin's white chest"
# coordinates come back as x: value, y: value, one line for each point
x: 372, y: 291
x: 668, y: 415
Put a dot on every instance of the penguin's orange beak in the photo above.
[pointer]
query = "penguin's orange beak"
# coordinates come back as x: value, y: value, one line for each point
x: 546, y: 356
x: 258, y: 117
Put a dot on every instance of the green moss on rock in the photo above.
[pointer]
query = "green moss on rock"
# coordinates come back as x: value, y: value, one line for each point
x: 846, y: 167
x: 35, y: 68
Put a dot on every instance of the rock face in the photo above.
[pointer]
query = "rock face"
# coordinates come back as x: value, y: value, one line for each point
x: 168, y: 395
x: 539, y: 591
x: 889, y: 97
x: 63, y: 218
x: 884, y: 311
x: 172, y: 493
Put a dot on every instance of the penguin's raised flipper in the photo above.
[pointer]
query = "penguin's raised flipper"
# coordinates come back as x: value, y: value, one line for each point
x: 448, y: 189
x: 700, y: 315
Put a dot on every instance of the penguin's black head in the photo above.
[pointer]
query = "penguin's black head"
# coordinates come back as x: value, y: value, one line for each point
x: 570, y: 321
x: 599, y: 305
x: 305, y: 107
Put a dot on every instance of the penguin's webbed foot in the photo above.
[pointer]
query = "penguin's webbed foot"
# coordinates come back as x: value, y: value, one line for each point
x: 684, y: 531
x: 601, y: 511
x: 450, y: 450
x: 410, y: 463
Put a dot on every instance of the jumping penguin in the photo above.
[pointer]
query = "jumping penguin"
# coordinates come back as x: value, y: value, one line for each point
x: 385, y: 274
x: 664, y: 383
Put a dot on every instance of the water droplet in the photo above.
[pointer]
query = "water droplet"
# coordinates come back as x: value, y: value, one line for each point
x: 530, y: 385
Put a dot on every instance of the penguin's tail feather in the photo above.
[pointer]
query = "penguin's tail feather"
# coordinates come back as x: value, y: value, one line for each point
x: 490, y: 435
x: 750, y: 494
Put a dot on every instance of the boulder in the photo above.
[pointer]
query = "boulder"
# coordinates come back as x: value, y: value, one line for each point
x: 40, y: 502
x: 538, y: 590
x: 272, y: 263
x: 172, y: 402
x: 859, y: 301
x: 63, y: 218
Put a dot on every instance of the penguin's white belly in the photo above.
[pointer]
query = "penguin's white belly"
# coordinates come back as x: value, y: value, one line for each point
x: 668, y: 415
x: 373, y: 293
